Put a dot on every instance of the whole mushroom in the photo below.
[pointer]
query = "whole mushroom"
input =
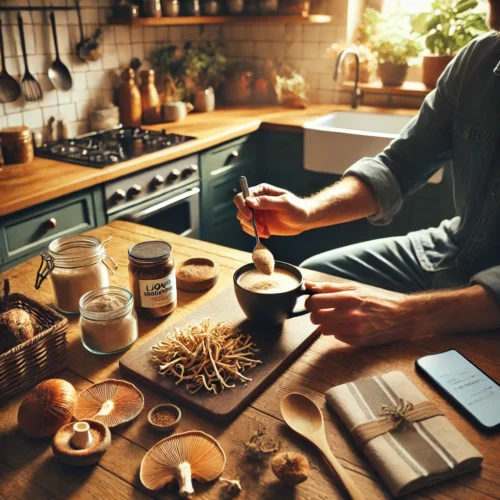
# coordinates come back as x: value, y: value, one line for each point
x: 182, y: 458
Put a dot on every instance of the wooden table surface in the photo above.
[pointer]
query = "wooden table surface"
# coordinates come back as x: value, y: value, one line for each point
x: 28, y: 469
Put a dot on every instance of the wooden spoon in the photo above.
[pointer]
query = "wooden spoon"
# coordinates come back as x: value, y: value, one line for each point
x: 261, y: 255
x: 303, y: 416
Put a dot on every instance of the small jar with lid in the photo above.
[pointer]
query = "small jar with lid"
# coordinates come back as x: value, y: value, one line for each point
x: 108, y: 320
x: 17, y: 145
x: 152, y: 278
x: 75, y: 265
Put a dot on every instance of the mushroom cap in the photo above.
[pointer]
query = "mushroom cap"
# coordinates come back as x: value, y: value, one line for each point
x: 61, y: 444
x: 203, y: 453
x: 111, y: 402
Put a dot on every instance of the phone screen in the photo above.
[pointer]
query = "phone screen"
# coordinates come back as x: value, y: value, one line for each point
x: 467, y: 384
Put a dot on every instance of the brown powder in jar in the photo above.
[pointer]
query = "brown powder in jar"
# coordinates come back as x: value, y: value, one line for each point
x: 104, y: 303
x: 196, y: 272
x: 164, y: 417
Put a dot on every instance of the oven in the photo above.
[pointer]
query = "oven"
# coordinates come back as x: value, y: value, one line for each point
x: 165, y: 197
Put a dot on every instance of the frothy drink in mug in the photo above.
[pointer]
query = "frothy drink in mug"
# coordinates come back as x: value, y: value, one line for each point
x: 258, y: 282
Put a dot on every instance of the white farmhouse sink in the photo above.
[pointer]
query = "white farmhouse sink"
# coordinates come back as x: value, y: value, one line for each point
x: 334, y: 142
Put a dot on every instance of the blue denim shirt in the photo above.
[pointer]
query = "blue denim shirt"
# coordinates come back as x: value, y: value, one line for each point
x: 458, y: 121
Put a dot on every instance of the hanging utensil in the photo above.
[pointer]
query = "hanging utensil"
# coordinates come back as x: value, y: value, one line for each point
x: 29, y: 86
x: 303, y: 416
x: 10, y: 89
x: 87, y: 48
x: 59, y: 74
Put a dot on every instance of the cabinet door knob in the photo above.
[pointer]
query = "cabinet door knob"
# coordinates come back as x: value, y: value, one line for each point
x: 235, y: 191
x: 51, y: 223
x: 234, y: 154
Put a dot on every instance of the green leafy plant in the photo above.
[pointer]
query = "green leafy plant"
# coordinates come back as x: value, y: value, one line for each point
x: 451, y: 25
x: 389, y: 37
x: 182, y: 70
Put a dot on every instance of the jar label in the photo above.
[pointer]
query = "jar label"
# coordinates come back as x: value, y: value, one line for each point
x: 159, y: 292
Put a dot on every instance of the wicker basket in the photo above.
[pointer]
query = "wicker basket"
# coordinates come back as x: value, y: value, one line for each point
x: 37, y: 358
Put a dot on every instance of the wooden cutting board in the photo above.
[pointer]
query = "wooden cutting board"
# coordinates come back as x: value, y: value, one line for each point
x: 279, y: 347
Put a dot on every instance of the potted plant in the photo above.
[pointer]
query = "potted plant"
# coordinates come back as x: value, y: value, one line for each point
x: 393, y: 49
x: 449, y: 26
x: 168, y: 63
x: 204, y: 67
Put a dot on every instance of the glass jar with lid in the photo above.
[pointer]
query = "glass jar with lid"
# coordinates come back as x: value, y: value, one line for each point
x: 108, y: 320
x: 152, y: 278
x: 75, y: 265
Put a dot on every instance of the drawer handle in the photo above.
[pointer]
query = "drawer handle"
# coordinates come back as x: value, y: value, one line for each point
x: 51, y: 223
x: 235, y: 154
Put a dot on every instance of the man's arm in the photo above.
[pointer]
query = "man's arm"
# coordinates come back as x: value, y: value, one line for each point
x: 361, y: 315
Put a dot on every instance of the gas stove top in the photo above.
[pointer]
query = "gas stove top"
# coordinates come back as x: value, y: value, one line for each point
x: 101, y: 149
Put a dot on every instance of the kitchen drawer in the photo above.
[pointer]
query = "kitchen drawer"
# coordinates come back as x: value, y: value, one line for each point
x: 223, y: 189
x: 220, y: 160
x: 32, y: 229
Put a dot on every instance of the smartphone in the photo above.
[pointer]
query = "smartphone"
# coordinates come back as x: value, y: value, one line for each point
x: 468, y: 387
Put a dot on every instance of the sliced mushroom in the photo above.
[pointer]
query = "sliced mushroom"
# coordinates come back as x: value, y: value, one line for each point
x: 111, y: 402
x: 182, y: 458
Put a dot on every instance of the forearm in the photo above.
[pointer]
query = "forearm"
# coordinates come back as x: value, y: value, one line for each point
x: 468, y: 309
x: 347, y: 200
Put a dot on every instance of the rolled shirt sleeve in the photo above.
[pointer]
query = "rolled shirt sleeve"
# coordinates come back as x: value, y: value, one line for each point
x: 419, y: 151
x: 490, y: 280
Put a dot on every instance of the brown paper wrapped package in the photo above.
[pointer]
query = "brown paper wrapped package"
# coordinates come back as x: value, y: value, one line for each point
x: 412, y: 456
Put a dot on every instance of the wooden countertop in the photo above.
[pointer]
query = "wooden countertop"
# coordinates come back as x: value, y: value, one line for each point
x: 29, y: 470
x: 26, y: 185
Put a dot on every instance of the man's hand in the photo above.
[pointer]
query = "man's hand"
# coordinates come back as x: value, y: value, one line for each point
x: 277, y: 211
x: 361, y: 315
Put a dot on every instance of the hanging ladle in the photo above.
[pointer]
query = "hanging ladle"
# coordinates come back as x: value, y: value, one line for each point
x: 87, y: 48
x: 58, y: 72
x: 10, y: 90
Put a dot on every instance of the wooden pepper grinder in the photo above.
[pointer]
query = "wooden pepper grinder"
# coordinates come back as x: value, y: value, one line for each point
x: 150, y: 98
x: 130, y: 100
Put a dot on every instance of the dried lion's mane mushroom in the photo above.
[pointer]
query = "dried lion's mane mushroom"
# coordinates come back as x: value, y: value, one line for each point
x: 206, y: 355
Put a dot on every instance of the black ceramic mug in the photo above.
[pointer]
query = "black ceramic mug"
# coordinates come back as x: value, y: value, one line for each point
x: 270, y: 308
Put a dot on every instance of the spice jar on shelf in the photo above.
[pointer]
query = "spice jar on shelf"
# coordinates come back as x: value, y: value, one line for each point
x: 108, y: 320
x: 170, y: 8
x: 152, y: 278
x: 75, y: 265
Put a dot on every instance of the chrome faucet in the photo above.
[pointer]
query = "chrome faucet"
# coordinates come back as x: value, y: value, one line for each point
x: 337, y: 75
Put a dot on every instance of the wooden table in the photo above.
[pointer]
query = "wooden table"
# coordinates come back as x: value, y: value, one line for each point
x: 28, y: 469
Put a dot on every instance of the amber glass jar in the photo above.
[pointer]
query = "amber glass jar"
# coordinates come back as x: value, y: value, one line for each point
x: 17, y: 145
x: 152, y: 278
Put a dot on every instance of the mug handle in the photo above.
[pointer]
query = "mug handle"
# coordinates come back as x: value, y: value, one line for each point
x: 302, y: 292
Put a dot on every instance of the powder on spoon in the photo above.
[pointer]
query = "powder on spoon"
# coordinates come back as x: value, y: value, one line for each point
x: 263, y: 259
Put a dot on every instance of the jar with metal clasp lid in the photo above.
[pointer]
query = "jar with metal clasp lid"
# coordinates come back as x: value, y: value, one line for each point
x: 75, y: 265
x: 152, y: 278
x: 16, y: 144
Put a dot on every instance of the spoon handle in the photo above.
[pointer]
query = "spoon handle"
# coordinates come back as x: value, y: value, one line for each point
x: 246, y: 194
x: 346, y: 479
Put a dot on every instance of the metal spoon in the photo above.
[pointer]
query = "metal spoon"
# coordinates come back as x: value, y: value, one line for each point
x: 261, y: 255
x: 30, y: 87
x: 87, y: 48
x: 9, y: 88
x: 303, y: 416
x: 58, y: 72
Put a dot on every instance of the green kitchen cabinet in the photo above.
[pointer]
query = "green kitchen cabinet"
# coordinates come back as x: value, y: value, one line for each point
x: 282, y: 165
x: 29, y: 232
x: 221, y: 168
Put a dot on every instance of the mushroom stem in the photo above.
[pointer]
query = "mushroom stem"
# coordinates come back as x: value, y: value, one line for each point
x: 185, y: 480
x: 82, y: 438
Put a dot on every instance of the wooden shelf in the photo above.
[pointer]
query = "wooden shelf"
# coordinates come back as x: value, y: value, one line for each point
x: 169, y: 21
x: 416, y: 89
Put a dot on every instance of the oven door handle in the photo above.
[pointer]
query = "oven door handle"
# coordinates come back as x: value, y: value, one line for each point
x: 164, y: 204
